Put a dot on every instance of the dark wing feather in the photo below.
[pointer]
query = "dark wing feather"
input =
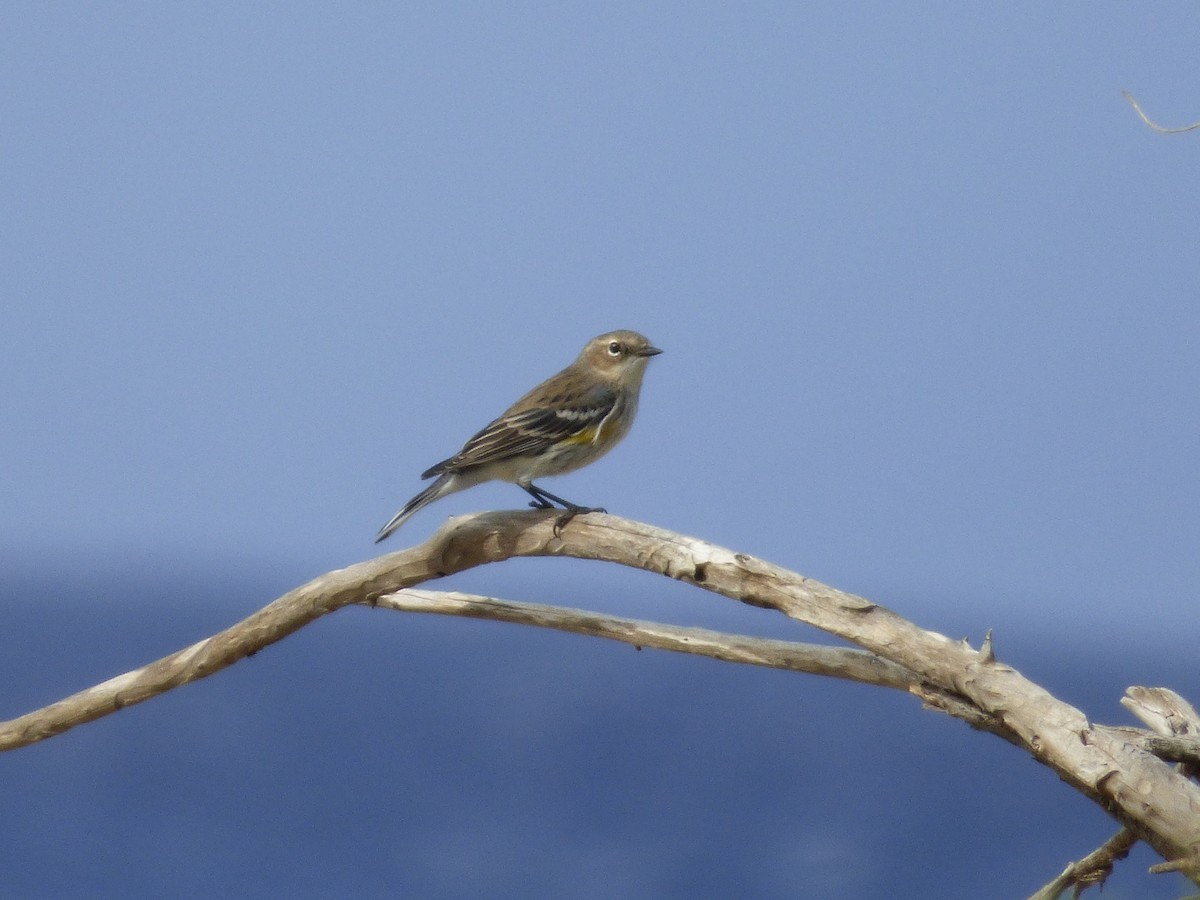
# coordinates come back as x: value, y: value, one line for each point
x: 530, y: 431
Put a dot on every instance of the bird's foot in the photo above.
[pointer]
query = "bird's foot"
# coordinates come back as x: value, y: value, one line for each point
x: 571, y: 512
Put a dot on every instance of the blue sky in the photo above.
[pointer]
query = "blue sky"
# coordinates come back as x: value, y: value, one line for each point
x: 924, y: 282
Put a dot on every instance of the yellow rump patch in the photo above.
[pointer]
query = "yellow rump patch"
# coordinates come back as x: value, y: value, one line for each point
x: 587, y: 436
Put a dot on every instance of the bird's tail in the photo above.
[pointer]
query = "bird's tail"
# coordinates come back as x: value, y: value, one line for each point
x: 445, y: 484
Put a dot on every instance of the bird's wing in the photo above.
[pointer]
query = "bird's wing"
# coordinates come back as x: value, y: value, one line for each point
x: 531, y: 430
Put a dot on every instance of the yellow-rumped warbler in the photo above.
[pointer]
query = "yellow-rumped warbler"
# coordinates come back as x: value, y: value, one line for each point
x: 561, y: 425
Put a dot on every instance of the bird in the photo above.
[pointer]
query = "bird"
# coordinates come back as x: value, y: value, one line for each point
x: 569, y: 420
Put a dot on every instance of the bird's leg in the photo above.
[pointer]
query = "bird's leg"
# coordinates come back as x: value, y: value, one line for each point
x: 543, y: 499
x: 538, y: 501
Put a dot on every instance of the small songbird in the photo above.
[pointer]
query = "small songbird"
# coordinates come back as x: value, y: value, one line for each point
x: 563, y: 424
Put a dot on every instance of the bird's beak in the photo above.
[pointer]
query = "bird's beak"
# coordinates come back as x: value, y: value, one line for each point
x: 649, y: 351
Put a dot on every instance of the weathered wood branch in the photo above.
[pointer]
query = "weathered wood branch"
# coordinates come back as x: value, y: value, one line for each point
x: 1163, y: 710
x: 814, y: 659
x: 1150, y: 123
x: 1156, y: 803
x: 1091, y: 871
x: 1175, y: 749
x: 1170, y: 716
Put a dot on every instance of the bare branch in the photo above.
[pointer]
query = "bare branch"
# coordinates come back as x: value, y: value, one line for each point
x: 1163, y: 710
x: 1154, y: 125
x: 273, y: 622
x: 1171, y: 716
x: 815, y: 659
x: 1091, y: 871
x: 1175, y: 749
x: 1158, y: 804
x: 1185, y: 865
x: 954, y: 705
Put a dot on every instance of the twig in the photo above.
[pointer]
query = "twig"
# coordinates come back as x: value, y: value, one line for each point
x: 1091, y: 871
x: 1175, y: 749
x: 1154, y: 125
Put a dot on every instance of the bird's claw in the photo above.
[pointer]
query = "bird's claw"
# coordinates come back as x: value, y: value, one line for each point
x: 571, y: 512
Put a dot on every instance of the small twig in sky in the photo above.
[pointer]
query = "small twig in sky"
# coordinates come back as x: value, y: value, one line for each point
x: 1154, y: 125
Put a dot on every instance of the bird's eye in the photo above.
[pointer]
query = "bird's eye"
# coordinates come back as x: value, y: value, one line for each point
x: 614, y: 348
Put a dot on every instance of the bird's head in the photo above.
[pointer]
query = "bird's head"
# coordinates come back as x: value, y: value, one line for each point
x: 619, y: 355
